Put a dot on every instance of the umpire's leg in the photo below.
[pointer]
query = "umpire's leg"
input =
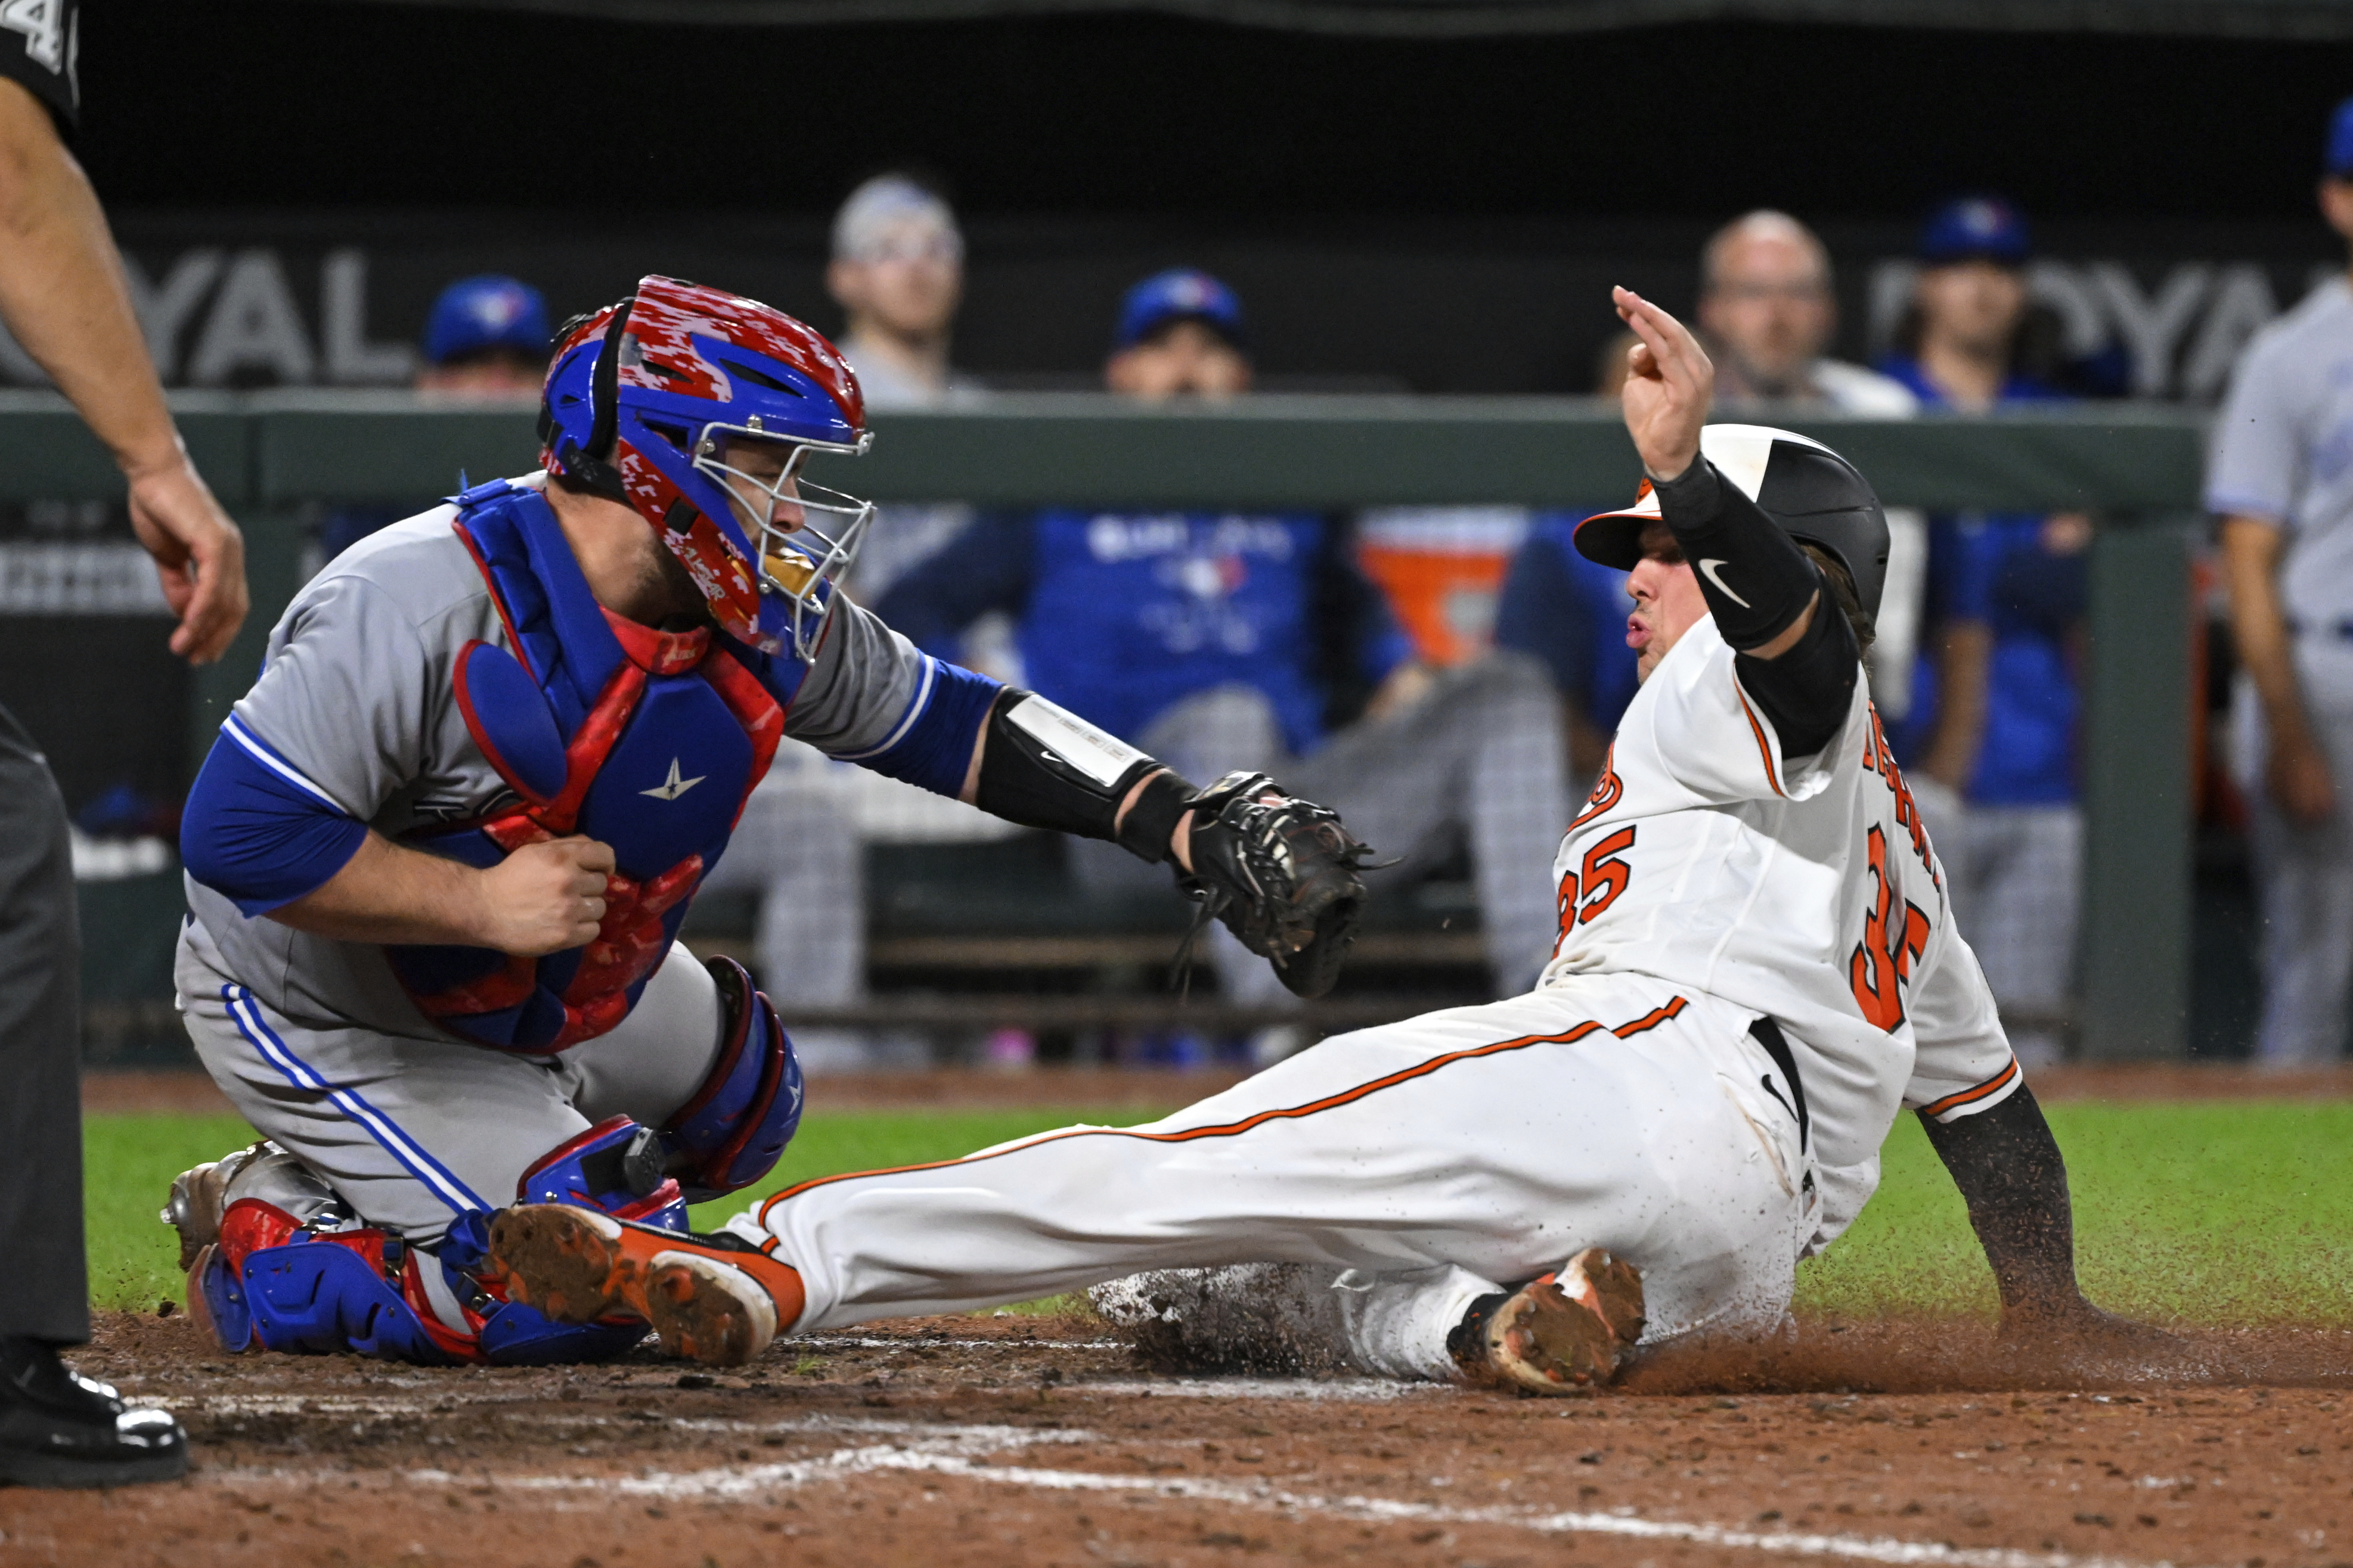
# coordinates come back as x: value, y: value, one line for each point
x: 40, y: 1055
x: 55, y: 1428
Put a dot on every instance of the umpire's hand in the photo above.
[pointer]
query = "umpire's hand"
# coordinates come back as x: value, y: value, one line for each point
x: 199, y: 555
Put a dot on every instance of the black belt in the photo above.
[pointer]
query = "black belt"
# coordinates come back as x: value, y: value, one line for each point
x: 1769, y: 1034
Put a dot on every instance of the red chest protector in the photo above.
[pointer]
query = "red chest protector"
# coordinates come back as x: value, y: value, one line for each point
x: 647, y: 740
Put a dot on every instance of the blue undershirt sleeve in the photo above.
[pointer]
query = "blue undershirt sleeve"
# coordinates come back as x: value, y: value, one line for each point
x: 257, y: 832
x: 931, y: 746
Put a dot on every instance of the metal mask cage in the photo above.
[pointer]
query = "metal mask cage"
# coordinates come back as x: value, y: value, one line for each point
x: 805, y: 564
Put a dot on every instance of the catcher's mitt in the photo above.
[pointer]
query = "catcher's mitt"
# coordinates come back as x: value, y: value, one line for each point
x: 1281, y: 873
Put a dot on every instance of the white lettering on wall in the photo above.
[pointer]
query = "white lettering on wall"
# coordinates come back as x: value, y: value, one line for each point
x: 254, y: 326
x: 110, y: 577
x: 2182, y: 336
x: 164, y: 308
x: 343, y: 327
x: 2151, y: 328
x: 2241, y: 305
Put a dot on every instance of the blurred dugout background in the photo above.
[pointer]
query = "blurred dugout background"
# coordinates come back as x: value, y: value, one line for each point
x: 1425, y: 199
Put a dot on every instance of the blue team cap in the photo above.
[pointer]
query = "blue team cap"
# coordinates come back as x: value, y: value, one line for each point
x: 488, y: 311
x: 2338, y: 160
x: 1180, y: 294
x: 1976, y: 229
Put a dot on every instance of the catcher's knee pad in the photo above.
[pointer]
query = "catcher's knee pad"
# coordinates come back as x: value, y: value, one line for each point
x: 735, y: 1128
x: 309, y: 1279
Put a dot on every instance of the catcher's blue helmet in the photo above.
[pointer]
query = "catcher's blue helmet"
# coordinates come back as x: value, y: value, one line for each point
x: 643, y: 404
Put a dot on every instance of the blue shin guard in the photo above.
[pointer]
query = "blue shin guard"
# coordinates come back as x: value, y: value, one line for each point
x: 735, y: 1128
x: 322, y: 1284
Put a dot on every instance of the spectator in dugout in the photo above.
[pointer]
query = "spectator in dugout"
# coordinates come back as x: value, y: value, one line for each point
x: 1255, y: 641
x: 487, y: 336
x: 897, y: 272
x: 1990, y: 743
x: 1766, y: 316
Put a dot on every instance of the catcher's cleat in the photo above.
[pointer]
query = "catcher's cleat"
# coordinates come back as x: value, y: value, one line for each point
x: 712, y: 1298
x: 1569, y: 1332
x: 200, y: 1194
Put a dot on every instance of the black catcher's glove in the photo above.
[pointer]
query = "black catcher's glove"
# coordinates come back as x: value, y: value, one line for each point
x: 1281, y: 873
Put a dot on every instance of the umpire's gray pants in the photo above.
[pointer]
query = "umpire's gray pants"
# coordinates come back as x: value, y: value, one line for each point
x: 48, y: 1292
x: 1480, y: 752
x: 413, y: 1129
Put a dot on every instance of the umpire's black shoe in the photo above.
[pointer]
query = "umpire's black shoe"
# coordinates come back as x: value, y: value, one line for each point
x: 58, y: 1429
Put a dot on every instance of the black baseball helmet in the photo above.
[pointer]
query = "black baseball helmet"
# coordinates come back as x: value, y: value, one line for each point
x: 1813, y: 493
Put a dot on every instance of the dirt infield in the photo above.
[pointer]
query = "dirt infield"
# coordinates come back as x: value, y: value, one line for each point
x: 998, y: 1439
x: 1007, y: 1439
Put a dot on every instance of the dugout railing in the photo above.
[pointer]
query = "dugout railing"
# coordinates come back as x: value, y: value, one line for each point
x: 273, y: 455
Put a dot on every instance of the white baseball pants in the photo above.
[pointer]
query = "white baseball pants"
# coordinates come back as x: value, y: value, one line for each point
x: 1427, y: 1163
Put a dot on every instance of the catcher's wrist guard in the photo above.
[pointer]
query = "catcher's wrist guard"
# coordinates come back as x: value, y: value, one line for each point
x: 1046, y: 767
x: 1281, y: 874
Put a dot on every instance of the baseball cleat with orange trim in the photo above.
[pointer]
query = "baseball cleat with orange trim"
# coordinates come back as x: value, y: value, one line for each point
x: 1569, y: 1332
x: 713, y: 1299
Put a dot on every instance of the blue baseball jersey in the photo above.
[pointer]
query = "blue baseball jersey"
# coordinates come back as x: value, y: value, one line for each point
x: 1571, y: 614
x: 1119, y: 616
x: 1991, y: 567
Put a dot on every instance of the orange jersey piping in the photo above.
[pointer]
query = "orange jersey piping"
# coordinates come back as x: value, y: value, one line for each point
x: 1971, y: 1096
x: 1650, y: 1020
x: 1764, y: 746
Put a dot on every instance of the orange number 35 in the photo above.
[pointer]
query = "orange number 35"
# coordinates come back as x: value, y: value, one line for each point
x: 1605, y: 877
x: 1882, y: 964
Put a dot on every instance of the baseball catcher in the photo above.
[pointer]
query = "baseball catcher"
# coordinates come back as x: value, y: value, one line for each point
x: 1757, y: 968
x: 438, y: 857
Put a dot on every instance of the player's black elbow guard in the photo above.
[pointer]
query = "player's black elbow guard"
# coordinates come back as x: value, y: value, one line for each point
x: 1045, y: 767
x: 1754, y: 578
x: 1807, y: 689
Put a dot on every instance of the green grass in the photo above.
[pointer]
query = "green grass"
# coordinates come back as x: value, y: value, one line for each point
x: 128, y: 1163
x: 2217, y: 1213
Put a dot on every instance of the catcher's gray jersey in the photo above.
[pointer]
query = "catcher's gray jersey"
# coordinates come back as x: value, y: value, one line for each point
x: 356, y: 703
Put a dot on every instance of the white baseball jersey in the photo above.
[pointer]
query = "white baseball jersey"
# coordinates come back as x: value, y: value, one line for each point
x: 1805, y: 889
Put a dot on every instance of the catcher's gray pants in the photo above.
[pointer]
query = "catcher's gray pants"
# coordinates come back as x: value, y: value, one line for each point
x: 2304, y: 874
x: 412, y: 1131
x: 1481, y: 751
x: 48, y: 1294
x: 2015, y: 873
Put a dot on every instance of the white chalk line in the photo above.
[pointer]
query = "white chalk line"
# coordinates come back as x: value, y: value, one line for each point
x: 865, y: 1342
x: 341, y: 1404
x: 1364, y: 1390
x: 1368, y: 1389
x: 727, y: 1480
x: 951, y: 1451
x: 1265, y: 1496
